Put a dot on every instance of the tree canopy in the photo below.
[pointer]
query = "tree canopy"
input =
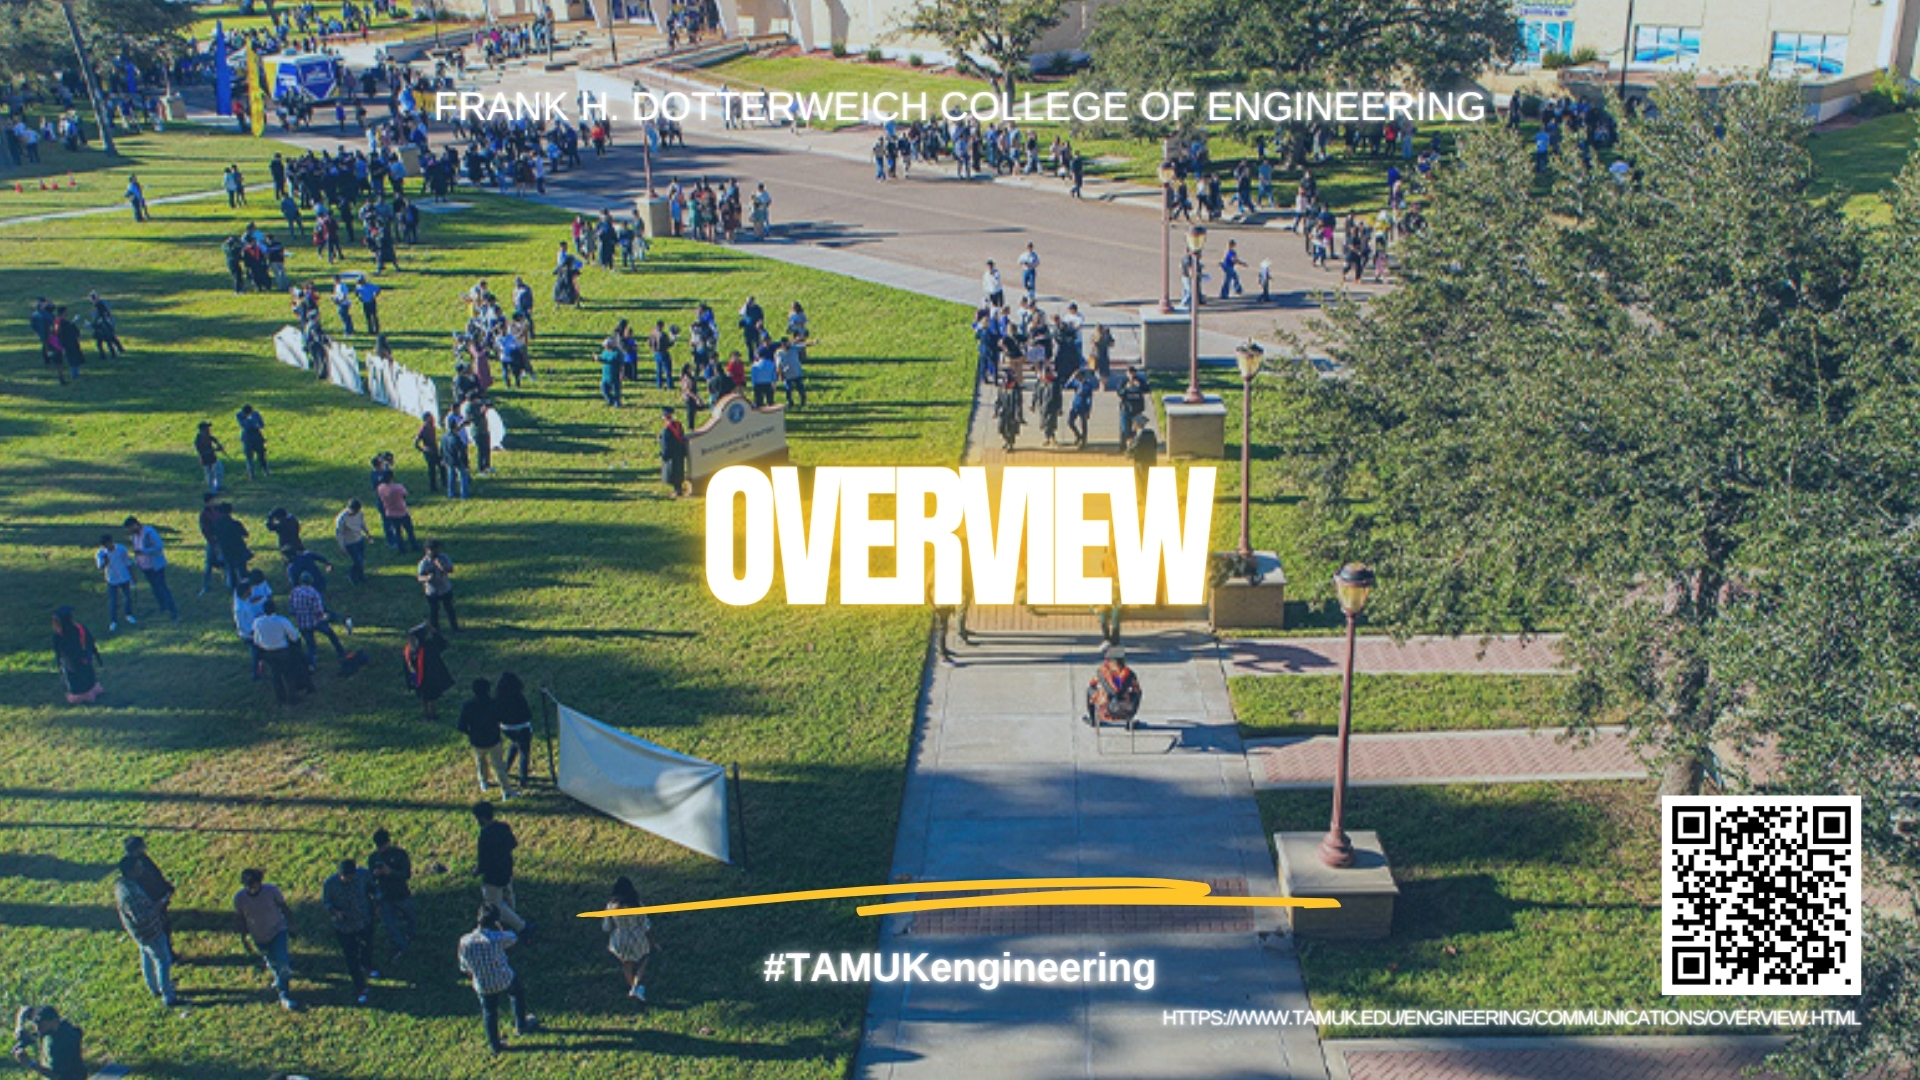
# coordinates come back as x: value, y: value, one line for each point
x: 34, y: 38
x: 1676, y: 415
x: 1172, y: 43
x: 988, y: 39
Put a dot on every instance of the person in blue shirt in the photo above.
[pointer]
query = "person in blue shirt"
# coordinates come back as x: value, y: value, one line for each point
x: 370, y: 305
x: 1083, y: 383
x: 611, y: 361
x: 762, y: 375
x: 253, y: 439
x: 1230, y: 271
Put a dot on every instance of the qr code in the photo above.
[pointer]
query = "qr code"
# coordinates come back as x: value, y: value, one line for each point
x: 1760, y: 895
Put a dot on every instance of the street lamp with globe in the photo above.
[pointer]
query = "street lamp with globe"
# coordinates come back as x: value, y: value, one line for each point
x: 1353, y: 584
x: 1248, y: 357
x: 1167, y: 176
x: 1196, y: 243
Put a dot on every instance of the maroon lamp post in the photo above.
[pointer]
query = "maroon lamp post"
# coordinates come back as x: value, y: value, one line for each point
x: 1167, y: 175
x: 1196, y: 243
x: 1353, y: 584
x: 1248, y: 357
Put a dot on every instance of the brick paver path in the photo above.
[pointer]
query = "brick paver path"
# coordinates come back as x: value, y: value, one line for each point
x: 1552, y: 1059
x: 1456, y: 757
x: 1375, y: 655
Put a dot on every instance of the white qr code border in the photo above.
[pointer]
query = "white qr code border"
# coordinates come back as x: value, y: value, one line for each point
x: 1692, y: 950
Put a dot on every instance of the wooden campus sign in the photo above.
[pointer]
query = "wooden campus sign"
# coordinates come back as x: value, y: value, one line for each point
x: 737, y: 433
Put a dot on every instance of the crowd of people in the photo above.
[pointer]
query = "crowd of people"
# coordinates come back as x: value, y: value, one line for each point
x: 363, y: 897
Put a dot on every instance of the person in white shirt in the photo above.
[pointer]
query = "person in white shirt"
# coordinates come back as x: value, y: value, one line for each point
x: 350, y: 532
x: 276, y: 637
x: 248, y: 599
x: 996, y: 297
x: 1030, y: 270
x: 112, y: 559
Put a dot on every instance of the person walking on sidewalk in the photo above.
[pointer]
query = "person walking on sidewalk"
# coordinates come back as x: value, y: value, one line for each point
x: 990, y: 288
x: 1030, y: 271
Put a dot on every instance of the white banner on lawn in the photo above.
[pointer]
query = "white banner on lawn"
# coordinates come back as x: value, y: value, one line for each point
x: 648, y: 786
x: 380, y: 380
x: 343, y: 367
x: 397, y: 386
x: 290, y: 347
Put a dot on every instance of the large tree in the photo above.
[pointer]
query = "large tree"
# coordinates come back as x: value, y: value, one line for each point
x: 34, y: 35
x: 1679, y: 417
x: 1575, y: 411
x: 1417, y: 42
x: 988, y: 39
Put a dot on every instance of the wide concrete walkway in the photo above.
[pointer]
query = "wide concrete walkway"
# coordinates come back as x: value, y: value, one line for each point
x: 1446, y: 757
x: 1007, y: 780
x: 1575, y: 1058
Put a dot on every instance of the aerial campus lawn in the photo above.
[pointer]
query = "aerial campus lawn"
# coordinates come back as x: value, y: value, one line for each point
x: 1860, y: 161
x: 1524, y: 896
x: 1293, y: 705
x: 229, y: 16
x: 574, y: 569
x: 185, y: 159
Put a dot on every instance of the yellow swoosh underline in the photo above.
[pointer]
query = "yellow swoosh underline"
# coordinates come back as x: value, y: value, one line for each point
x: 1045, y: 892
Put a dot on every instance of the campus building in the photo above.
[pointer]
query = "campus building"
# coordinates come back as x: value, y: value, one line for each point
x: 1835, y: 47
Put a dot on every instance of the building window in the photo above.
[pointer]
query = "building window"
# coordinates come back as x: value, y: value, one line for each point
x: 1667, y: 46
x: 1816, y: 55
x: 1541, y: 36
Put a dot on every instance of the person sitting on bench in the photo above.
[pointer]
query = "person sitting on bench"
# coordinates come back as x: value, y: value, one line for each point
x: 1113, y: 695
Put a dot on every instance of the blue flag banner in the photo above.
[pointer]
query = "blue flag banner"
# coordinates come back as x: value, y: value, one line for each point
x: 133, y: 75
x: 222, y: 73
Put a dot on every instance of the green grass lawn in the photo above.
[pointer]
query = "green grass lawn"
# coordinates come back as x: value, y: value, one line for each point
x: 1529, y: 896
x: 825, y: 75
x: 229, y: 16
x: 1286, y: 705
x: 182, y: 160
x: 575, y: 569
x: 1861, y: 161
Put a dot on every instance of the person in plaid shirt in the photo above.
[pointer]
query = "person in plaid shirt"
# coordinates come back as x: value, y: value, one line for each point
x: 310, y: 614
x: 483, y: 957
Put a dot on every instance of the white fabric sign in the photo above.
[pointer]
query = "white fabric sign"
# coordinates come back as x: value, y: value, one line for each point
x: 291, y: 347
x: 397, y: 386
x: 343, y: 367
x: 648, y: 786
x: 380, y: 380
x: 496, y: 429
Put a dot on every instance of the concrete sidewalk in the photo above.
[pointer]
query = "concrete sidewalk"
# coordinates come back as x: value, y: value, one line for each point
x: 1007, y: 780
x: 1445, y: 757
x: 1654, y: 1057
